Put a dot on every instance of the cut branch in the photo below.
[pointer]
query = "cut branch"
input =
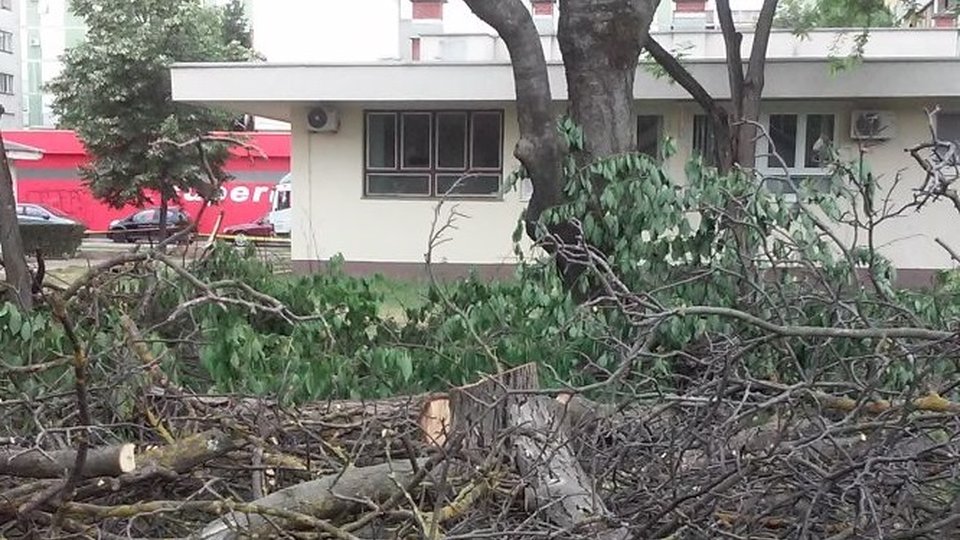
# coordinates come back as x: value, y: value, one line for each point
x: 36, y: 463
x: 325, y: 498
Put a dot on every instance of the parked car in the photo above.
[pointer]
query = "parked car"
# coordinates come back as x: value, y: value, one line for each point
x: 145, y: 225
x: 38, y: 213
x: 259, y: 228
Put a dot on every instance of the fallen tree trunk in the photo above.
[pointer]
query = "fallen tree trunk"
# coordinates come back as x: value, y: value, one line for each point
x: 506, y: 405
x: 36, y: 463
x: 335, y: 495
x: 339, y: 429
x: 192, y: 451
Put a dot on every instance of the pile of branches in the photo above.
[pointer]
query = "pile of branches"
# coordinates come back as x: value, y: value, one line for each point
x: 734, y: 457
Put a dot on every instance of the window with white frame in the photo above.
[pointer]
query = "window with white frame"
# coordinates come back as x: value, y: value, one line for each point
x: 801, y: 142
x: 433, y: 153
x: 798, y: 144
x: 6, y: 41
x: 6, y: 83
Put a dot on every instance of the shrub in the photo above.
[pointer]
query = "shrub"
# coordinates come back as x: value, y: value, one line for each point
x: 53, y: 240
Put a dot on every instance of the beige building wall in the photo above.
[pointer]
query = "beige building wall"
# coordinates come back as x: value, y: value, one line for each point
x: 332, y: 216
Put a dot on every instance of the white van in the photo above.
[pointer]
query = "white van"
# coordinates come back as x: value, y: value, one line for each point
x: 279, y: 215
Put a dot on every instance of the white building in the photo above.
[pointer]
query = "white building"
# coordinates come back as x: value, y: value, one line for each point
x: 365, y: 186
x: 10, y: 91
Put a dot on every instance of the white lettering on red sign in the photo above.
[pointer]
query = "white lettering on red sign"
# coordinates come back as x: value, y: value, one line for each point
x: 240, y: 194
x: 237, y: 194
x: 260, y: 190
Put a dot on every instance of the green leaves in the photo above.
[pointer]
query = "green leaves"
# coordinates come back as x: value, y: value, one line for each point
x: 114, y: 90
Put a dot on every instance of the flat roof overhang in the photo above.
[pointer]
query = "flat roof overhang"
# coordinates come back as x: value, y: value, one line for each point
x: 21, y: 152
x: 274, y: 90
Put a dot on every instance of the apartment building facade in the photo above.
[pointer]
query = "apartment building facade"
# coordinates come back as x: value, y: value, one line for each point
x: 10, y: 91
x: 48, y: 29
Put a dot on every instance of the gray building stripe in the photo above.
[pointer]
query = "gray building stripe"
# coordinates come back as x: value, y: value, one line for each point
x: 46, y: 173
x: 71, y: 173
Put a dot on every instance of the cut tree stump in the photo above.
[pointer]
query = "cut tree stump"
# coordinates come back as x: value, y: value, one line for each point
x: 36, y: 463
x: 504, y: 411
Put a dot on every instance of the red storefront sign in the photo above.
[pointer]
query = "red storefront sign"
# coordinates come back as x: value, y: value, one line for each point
x: 55, y: 180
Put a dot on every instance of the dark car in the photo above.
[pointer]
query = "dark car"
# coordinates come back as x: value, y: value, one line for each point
x: 145, y: 225
x: 260, y: 228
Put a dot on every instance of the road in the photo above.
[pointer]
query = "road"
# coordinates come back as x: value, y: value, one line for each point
x: 96, y: 250
x: 98, y: 247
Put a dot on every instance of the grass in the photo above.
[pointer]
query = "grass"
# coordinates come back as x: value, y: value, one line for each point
x: 399, y: 296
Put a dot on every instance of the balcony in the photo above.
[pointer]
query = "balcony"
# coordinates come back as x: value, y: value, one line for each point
x: 883, y: 43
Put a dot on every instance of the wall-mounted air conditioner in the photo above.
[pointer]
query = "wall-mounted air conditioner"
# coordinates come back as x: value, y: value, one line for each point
x: 873, y: 125
x: 323, y: 120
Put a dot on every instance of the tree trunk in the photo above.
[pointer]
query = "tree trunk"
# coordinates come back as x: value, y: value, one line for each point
x: 539, y: 148
x: 734, y: 130
x: 745, y: 89
x: 14, y: 257
x: 340, y: 494
x: 601, y: 41
x: 164, y: 206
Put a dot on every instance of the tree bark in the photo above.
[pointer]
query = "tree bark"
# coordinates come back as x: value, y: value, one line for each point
x: 340, y: 494
x: 192, y: 451
x: 164, y: 205
x: 746, y: 89
x: 11, y: 242
x: 718, y: 116
x: 35, y: 463
x: 735, y: 135
x: 539, y: 148
x: 601, y: 41
x: 538, y: 435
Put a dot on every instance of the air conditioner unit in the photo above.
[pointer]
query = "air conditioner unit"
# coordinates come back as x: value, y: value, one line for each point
x: 323, y: 120
x: 873, y: 125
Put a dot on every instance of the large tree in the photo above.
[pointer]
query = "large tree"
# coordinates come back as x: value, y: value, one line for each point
x: 115, y: 92
x: 236, y: 26
x: 601, y: 41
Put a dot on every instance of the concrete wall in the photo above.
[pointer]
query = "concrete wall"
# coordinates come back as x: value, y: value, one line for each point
x: 709, y: 44
x: 332, y: 217
x: 10, y: 66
